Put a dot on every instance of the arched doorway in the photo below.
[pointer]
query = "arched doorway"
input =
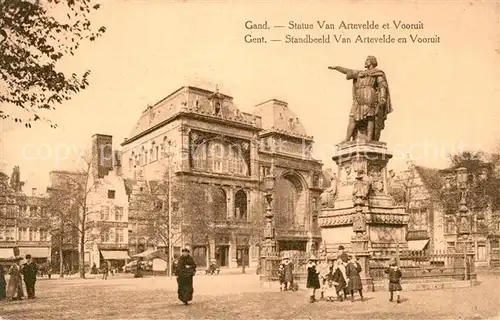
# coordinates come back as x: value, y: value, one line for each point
x: 240, y: 205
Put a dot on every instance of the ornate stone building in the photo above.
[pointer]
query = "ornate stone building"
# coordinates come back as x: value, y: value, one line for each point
x: 200, y: 137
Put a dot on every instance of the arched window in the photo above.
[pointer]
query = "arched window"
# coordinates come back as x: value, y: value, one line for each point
x: 289, y: 204
x: 240, y: 205
x: 218, y: 203
x: 217, y: 157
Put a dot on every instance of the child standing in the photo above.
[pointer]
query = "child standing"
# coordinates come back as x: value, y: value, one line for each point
x: 312, y: 278
x: 394, y: 275
x: 340, y: 278
x: 330, y: 291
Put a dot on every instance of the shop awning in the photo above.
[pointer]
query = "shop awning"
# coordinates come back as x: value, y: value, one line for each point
x: 417, y: 245
x: 114, y: 255
x: 35, y: 252
x: 6, y: 253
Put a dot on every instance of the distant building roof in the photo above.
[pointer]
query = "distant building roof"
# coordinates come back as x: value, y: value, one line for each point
x: 277, y: 117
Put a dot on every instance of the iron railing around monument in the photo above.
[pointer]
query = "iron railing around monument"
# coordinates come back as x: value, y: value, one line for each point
x: 418, y: 265
x: 270, y: 264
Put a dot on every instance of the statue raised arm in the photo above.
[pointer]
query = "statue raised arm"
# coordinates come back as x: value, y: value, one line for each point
x: 371, y: 101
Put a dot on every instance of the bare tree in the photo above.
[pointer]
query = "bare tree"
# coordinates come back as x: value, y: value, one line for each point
x: 71, y: 205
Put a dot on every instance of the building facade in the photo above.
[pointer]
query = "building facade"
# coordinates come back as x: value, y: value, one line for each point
x: 23, y: 224
x: 431, y: 227
x: 200, y: 138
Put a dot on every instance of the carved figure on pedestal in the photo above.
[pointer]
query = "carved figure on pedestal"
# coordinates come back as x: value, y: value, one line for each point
x: 377, y: 182
x: 371, y: 101
x: 330, y: 194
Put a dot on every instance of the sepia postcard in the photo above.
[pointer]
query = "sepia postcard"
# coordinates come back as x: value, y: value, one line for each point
x: 165, y: 159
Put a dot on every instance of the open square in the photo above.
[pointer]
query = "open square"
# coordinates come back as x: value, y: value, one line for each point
x: 240, y: 297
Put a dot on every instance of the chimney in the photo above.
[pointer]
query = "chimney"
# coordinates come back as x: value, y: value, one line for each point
x: 117, y: 162
x: 102, y: 155
x: 33, y: 192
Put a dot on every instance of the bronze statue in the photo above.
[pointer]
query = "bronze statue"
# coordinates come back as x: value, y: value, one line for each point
x: 371, y: 101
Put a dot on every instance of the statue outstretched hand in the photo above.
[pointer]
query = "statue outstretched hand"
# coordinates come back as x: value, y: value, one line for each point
x: 332, y: 68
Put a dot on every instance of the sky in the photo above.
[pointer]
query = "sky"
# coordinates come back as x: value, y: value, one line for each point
x: 445, y: 95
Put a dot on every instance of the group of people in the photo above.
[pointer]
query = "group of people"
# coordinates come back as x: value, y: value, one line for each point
x: 14, y: 289
x: 341, y: 278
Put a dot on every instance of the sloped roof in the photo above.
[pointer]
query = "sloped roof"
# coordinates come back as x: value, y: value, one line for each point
x: 432, y: 179
x: 187, y: 99
x: 277, y: 117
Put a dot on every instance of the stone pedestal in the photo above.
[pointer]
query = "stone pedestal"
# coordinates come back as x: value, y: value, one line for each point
x: 359, y: 204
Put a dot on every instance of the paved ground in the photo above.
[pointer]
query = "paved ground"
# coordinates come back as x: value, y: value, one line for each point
x: 239, y: 297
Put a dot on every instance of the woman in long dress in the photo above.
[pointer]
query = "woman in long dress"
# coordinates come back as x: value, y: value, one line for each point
x: 186, y: 269
x: 15, y: 286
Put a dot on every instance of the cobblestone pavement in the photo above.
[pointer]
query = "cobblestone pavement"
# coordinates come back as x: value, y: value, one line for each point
x: 240, y: 297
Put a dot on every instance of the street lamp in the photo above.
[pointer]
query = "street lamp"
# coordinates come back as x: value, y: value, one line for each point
x: 465, y: 224
x: 269, y: 245
x: 269, y: 184
x: 462, y: 178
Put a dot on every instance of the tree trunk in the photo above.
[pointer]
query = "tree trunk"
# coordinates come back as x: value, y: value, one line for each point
x: 61, y: 262
x: 82, y: 256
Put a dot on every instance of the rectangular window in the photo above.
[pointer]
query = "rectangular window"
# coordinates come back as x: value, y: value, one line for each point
x: 10, y: 233
x: 33, y: 235
x: 104, y: 235
x: 111, y: 194
x: 22, y: 234
x: 43, y: 235
x: 104, y: 213
x: 156, y: 152
x: 118, y: 213
x: 119, y: 235
x: 2, y: 233
x: 266, y: 171
x: 481, y: 252
x: 130, y: 163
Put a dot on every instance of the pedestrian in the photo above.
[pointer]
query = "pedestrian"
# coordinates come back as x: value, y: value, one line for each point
x: 105, y: 270
x: 394, y: 275
x: 312, y: 278
x: 29, y: 271
x: 343, y: 255
x: 340, y: 278
x: 288, y: 274
x: 330, y: 289
x: 281, y: 275
x: 3, y: 284
x: 323, y: 270
x: 186, y: 269
x: 94, y: 269
x: 353, y: 270
x: 49, y: 270
x: 15, y: 286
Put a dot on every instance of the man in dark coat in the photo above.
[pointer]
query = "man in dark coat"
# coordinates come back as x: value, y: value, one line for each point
x: 186, y: 269
x: 288, y: 274
x: 29, y: 273
x: 353, y: 270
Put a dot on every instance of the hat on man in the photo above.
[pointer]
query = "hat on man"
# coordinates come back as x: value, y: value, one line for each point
x: 341, y: 247
x: 313, y: 258
x: 185, y: 250
x: 28, y: 256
